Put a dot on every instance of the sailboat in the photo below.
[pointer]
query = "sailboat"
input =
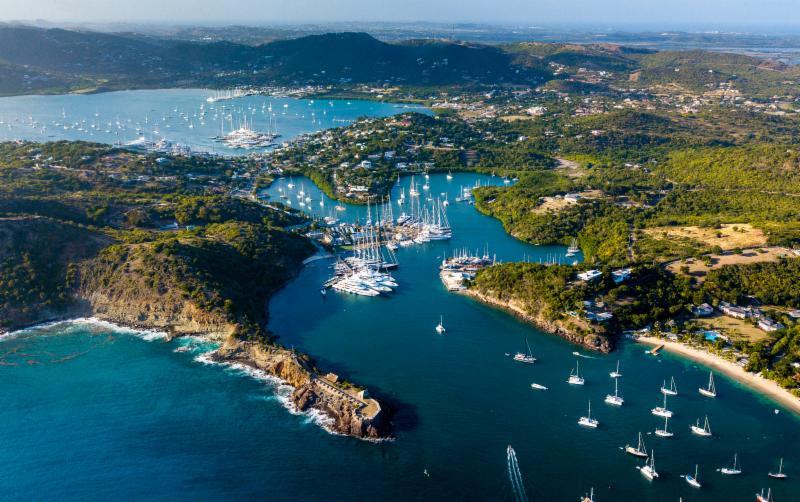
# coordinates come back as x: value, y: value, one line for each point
x: 616, y: 399
x: 639, y: 451
x: 733, y: 470
x: 588, y: 498
x: 664, y: 433
x: 780, y: 474
x: 573, y: 248
x: 588, y: 421
x: 649, y: 469
x: 615, y: 373
x: 705, y: 430
x: 575, y: 378
x: 526, y: 357
x: 662, y: 411
x: 449, y: 176
x: 440, y: 327
x: 672, y: 390
x: 711, y: 390
x: 760, y: 497
x: 692, y: 480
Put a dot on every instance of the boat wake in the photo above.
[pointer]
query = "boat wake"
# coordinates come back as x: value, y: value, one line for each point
x: 578, y: 354
x: 515, y: 476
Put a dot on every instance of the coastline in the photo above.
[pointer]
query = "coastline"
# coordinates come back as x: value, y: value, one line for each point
x: 758, y: 383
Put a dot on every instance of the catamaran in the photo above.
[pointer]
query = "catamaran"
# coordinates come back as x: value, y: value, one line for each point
x: 778, y: 475
x: 664, y: 433
x: 616, y: 399
x: 525, y: 357
x: 705, y: 430
x: 662, y: 411
x: 615, y: 373
x: 649, y: 469
x: 440, y: 327
x: 639, y: 451
x: 672, y: 390
x: 711, y: 389
x: 576, y: 378
x: 588, y: 421
x: 733, y: 470
x: 692, y: 480
x: 760, y: 497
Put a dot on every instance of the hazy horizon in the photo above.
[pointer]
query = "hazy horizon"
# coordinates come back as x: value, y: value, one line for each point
x: 599, y: 14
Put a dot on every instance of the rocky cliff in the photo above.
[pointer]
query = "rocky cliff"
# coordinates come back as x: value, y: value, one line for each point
x: 564, y: 329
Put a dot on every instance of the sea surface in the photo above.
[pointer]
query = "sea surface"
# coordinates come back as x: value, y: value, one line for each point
x: 92, y: 412
x: 181, y: 116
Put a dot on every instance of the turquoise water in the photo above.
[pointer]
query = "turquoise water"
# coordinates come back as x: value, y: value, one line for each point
x: 91, y: 414
x: 176, y: 115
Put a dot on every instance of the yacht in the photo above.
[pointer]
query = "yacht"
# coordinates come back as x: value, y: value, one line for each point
x: 692, y: 480
x: 538, y: 386
x: 733, y: 470
x: 576, y: 378
x: 588, y: 421
x: 705, y: 430
x: 760, y: 497
x: 649, y: 469
x: 440, y: 327
x: 616, y: 399
x: 711, y: 389
x: 664, y: 433
x: 780, y: 474
x: 672, y: 390
x: 639, y: 451
x: 615, y: 373
x: 662, y: 411
x: 525, y: 357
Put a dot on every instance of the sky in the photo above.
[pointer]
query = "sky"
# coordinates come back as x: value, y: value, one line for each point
x: 654, y: 13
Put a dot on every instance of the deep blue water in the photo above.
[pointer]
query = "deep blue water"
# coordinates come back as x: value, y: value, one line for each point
x: 176, y: 115
x: 88, y: 413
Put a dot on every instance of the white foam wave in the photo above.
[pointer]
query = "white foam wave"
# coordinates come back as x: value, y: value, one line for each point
x: 79, y: 322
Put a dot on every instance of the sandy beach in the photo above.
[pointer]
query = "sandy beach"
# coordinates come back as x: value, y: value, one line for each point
x: 760, y: 384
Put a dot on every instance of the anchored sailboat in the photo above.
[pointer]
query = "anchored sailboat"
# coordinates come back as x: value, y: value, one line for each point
x: 711, y: 389
x: 616, y: 399
x: 662, y: 411
x: 780, y: 474
x: 665, y: 433
x: 705, y: 430
x: 525, y: 357
x: 440, y: 327
x: 575, y: 378
x: 760, y: 497
x: 588, y: 421
x: 692, y: 480
x: 615, y: 373
x: 649, y: 469
x: 733, y: 470
x: 672, y: 390
x: 639, y: 451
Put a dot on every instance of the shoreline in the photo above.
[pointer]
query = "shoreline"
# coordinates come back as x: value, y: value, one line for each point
x: 755, y: 382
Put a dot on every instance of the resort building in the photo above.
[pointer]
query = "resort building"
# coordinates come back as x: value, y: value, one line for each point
x: 589, y: 275
x: 768, y: 325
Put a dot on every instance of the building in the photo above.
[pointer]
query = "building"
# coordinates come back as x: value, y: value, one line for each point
x: 768, y: 325
x: 589, y: 275
x: 704, y: 310
x: 621, y: 275
x: 733, y: 310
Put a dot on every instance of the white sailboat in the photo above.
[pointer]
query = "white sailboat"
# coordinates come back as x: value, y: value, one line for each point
x: 588, y: 421
x: 576, y: 378
x: 588, y: 498
x: 733, y: 470
x: 760, y: 497
x: 780, y: 474
x: 449, y: 176
x: 693, y: 480
x: 705, y: 430
x: 615, y: 373
x: 639, y: 450
x: 526, y: 357
x: 664, y: 433
x: 649, y: 469
x: 440, y: 327
x: 672, y: 390
x: 711, y: 389
x: 662, y: 411
x: 616, y: 399
x: 573, y: 248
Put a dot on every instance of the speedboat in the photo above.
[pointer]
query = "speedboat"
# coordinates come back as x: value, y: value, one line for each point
x: 538, y: 386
